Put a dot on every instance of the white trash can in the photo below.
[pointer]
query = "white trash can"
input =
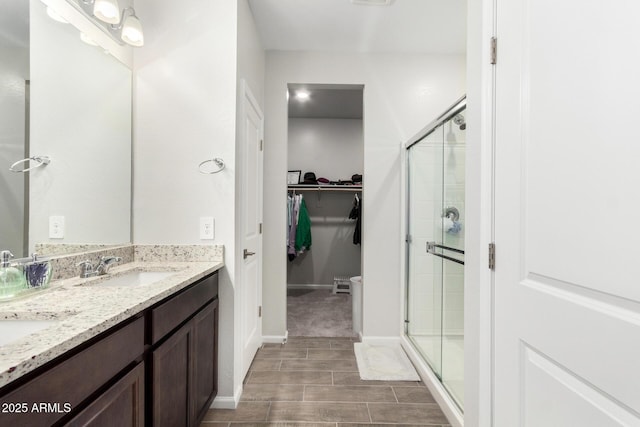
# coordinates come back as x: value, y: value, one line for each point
x: 356, y: 300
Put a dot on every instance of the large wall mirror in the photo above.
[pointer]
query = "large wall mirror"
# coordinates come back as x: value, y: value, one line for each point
x: 63, y: 97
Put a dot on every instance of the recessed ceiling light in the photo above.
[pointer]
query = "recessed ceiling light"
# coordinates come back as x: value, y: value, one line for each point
x: 302, y: 95
x: 373, y: 2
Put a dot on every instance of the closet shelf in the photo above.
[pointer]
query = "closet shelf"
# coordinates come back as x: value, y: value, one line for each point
x: 311, y: 187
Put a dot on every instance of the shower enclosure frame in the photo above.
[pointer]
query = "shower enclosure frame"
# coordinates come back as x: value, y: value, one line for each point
x: 456, y: 108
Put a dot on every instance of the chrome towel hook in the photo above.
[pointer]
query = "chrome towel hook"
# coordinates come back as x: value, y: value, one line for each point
x: 40, y: 160
x: 218, y: 162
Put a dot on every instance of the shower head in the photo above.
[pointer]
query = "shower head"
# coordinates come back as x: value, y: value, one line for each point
x: 459, y: 120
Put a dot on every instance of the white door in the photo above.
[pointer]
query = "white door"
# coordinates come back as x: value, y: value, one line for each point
x: 251, y: 226
x: 567, y: 197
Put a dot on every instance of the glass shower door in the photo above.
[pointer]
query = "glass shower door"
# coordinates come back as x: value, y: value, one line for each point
x: 435, y: 250
x: 424, y: 290
x: 453, y: 220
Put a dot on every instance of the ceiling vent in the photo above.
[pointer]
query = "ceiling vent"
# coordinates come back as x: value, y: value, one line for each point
x: 373, y: 2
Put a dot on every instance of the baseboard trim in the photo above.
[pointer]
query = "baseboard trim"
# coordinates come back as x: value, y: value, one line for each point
x: 309, y: 286
x: 227, y: 402
x: 275, y: 339
x: 448, y: 406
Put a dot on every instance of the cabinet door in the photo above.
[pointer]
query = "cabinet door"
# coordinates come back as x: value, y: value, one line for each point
x: 171, y: 367
x: 204, y: 375
x: 121, y: 405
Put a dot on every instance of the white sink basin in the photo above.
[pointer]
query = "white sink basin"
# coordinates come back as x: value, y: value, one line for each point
x: 134, y: 278
x: 13, y: 330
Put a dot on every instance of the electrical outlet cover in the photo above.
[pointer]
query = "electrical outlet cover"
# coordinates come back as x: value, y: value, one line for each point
x: 207, y: 228
x: 56, y: 227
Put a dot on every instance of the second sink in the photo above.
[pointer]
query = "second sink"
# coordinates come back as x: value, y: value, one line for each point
x: 132, y: 278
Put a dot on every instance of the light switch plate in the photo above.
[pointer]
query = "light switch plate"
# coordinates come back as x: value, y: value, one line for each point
x: 207, y: 228
x: 56, y: 227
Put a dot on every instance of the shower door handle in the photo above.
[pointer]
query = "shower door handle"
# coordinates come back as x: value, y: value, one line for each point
x: 431, y: 249
x: 247, y: 254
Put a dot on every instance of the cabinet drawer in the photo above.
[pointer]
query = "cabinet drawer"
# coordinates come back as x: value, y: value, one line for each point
x: 76, y: 378
x: 172, y: 313
x: 121, y: 405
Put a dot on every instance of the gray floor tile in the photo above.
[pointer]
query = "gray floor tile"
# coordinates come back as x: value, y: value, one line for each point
x: 413, y: 395
x: 425, y: 413
x: 277, y: 353
x: 290, y: 377
x: 331, y: 354
x: 349, y: 394
x: 272, y: 392
x: 310, y: 343
x: 386, y: 425
x: 319, y: 412
x: 265, y: 365
x: 319, y: 365
x: 342, y: 345
x: 353, y: 378
x: 282, y: 424
x: 246, y: 411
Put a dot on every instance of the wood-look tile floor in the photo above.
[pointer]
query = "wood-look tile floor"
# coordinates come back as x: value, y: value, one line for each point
x: 311, y: 382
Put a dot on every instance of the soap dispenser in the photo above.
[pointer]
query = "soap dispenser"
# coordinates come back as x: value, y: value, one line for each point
x: 37, y: 273
x: 11, y: 279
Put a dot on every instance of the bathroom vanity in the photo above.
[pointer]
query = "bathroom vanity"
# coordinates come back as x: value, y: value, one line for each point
x: 130, y: 354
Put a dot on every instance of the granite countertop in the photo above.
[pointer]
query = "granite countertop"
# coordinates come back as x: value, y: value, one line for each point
x: 81, y: 309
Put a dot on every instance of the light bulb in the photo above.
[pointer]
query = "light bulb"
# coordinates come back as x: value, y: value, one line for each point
x: 132, y: 31
x: 107, y: 11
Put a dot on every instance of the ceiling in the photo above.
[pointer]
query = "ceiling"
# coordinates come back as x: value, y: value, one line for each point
x: 326, y: 101
x: 405, y: 26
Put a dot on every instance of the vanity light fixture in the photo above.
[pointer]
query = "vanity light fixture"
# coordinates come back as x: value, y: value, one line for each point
x: 123, y: 25
x: 106, y: 10
x: 131, y: 28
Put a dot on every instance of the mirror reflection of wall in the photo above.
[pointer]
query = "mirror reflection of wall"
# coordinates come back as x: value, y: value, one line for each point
x: 14, y: 77
x: 80, y: 116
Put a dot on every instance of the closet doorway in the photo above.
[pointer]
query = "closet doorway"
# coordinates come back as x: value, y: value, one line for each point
x: 325, y: 163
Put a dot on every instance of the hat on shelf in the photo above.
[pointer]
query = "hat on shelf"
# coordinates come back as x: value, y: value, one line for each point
x: 310, y: 178
x: 323, y: 181
x: 357, y: 179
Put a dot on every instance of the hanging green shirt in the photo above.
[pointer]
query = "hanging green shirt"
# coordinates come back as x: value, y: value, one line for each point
x: 303, y: 231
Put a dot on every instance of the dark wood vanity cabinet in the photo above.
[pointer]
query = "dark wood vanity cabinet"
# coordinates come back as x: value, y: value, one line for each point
x: 121, y: 405
x: 184, y: 364
x: 158, y: 369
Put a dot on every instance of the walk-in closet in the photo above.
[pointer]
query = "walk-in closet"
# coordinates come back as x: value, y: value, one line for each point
x: 324, y: 215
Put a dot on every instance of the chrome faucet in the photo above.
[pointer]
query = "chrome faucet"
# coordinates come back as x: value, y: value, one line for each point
x: 103, y: 267
x: 105, y: 264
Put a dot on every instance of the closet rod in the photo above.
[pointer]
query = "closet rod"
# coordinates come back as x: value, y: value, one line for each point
x: 350, y: 188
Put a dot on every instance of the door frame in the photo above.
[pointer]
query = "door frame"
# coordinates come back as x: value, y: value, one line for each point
x: 246, y: 96
x: 479, y: 201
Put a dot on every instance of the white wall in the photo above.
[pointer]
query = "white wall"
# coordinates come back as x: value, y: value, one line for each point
x: 401, y: 94
x: 81, y: 118
x: 334, y: 149
x: 185, y: 112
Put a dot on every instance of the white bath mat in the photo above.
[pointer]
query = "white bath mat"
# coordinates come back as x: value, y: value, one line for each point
x: 384, y: 363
